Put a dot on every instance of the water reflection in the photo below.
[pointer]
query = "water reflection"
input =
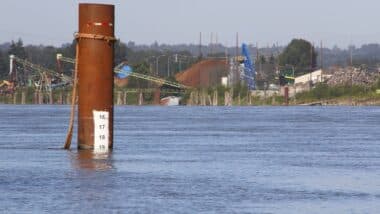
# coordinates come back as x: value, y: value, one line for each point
x: 87, y: 159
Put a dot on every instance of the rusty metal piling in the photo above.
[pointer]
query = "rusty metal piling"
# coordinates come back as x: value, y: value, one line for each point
x: 95, y: 70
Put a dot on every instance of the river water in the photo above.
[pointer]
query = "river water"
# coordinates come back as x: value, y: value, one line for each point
x: 195, y: 160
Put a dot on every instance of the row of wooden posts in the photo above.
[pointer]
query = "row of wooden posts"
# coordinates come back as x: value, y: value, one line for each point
x: 203, y: 98
x: 65, y: 98
x: 121, y: 98
x: 41, y: 98
x: 197, y: 98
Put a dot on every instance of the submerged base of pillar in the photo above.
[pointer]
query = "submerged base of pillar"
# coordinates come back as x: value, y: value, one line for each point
x: 88, y: 147
x: 85, y: 147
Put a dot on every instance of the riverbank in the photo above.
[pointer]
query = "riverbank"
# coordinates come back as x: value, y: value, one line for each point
x: 354, y: 95
x: 320, y: 95
x: 345, y: 102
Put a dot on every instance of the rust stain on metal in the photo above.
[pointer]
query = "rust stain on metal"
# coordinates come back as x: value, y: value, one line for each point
x: 95, y: 70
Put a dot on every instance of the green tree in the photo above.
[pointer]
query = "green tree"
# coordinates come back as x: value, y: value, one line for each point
x: 42, y: 55
x: 121, y: 52
x: 3, y: 66
x: 263, y: 60
x: 17, y: 48
x: 300, y: 54
x: 272, y: 59
x: 68, y: 49
x: 142, y: 68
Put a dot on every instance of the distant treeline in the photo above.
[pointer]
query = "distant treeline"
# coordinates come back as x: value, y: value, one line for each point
x: 169, y: 59
x: 368, y: 54
x: 163, y: 61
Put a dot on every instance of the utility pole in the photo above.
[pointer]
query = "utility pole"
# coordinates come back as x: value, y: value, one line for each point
x: 157, y: 65
x: 259, y: 60
x: 226, y: 54
x: 351, y: 56
x: 321, y: 54
x: 211, y: 43
x: 200, y: 44
x: 179, y: 64
x: 236, y: 56
x: 311, y: 65
x: 257, y: 51
x: 321, y: 57
x: 311, y: 57
x: 168, y: 65
x: 237, y: 44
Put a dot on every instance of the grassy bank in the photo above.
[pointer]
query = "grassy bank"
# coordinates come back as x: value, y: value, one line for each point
x: 341, y: 95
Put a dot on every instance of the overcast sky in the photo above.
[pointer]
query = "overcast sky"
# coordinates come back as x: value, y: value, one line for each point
x: 266, y: 22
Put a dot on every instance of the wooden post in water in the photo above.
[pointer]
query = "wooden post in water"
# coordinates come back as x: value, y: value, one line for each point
x: 157, y: 94
x: 209, y: 100
x: 190, y: 100
x: 40, y: 98
x: 125, y: 98
x: 196, y: 98
x: 15, y: 98
x: 226, y: 98
x: 286, y: 95
x: 140, y: 98
x: 68, y: 98
x: 23, y: 97
x: 51, y: 100
x: 95, y: 73
x: 119, y: 99
x: 60, y: 99
x: 35, y: 97
x: 215, y: 98
x: 203, y: 97
x: 231, y: 97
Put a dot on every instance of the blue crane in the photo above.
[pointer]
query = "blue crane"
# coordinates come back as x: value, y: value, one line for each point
x: 249, y: 68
